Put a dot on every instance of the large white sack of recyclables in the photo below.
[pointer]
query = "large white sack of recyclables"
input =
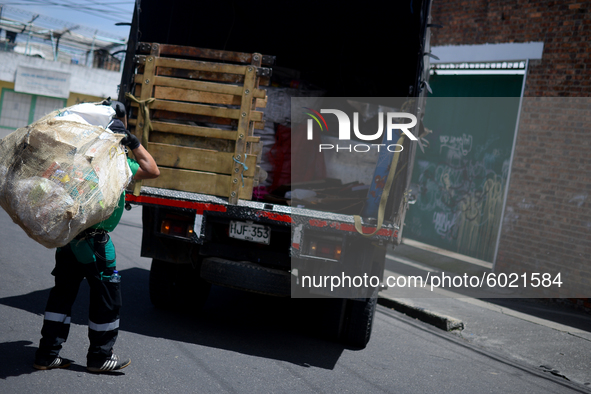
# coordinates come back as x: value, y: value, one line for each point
x: 61, y: 174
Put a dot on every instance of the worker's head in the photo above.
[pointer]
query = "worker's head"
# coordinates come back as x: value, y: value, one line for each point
x: 119, y: 109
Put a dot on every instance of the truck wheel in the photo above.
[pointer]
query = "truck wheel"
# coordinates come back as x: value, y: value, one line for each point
x: 358, y: 321
x: 177, y: 286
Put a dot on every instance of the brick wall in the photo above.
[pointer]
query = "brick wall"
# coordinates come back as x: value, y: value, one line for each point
x: 563, y: 26
x: 547, y: 220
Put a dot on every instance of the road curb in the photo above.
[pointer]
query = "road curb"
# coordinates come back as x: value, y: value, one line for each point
x: 443, y: 322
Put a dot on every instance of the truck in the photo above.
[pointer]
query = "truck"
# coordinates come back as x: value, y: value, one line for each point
x: 194, y: 76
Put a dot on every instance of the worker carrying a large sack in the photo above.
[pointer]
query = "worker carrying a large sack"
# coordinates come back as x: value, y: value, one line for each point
x: 65, y: 172
x: 62, y: 179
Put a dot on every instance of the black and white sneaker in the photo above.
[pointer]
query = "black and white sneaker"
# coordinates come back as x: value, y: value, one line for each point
x: 111, y: 364
x: 57, y: 362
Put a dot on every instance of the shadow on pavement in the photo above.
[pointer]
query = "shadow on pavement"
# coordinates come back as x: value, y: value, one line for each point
x: 16, y: 358
x: 298, y: 331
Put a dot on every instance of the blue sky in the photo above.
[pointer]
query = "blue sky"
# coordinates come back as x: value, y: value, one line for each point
x: 90, y: 15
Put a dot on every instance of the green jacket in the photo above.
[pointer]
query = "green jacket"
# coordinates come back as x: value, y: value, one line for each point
x: 84, y: 249
x: 112, y: 221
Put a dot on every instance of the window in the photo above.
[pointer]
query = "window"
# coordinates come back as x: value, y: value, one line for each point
x: 21, y: 109
x: 45, y: 105
x: 15, y: 109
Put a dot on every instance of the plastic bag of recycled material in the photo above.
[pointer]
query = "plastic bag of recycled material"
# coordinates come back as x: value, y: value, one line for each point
x: 61, y: 175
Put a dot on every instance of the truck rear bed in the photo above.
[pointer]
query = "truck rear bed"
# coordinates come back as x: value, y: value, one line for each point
x: 201, y: 228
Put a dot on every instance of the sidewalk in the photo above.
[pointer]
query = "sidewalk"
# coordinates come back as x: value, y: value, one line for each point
x: 552, y: 337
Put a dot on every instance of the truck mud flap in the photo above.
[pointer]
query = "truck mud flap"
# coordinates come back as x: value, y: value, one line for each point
x: 245, y: 275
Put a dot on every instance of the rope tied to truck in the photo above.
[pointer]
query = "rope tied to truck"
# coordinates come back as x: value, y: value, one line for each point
x: 144, y: 107
x: 244, y: 168
x: 384, y: 198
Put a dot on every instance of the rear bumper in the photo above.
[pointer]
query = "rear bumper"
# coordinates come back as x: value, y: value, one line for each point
x: 245, y: 275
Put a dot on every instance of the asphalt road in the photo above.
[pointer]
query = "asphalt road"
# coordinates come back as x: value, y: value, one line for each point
x: 241, y: 343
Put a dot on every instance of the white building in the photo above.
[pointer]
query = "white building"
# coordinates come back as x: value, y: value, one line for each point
x: 31, y: 87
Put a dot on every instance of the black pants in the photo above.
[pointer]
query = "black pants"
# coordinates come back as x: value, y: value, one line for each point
x: 105, y: 302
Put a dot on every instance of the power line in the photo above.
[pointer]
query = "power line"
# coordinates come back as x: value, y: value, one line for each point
x: 77, y: 6
x: 86, y: 9
x: 113, y: 3
x: 47, y: 21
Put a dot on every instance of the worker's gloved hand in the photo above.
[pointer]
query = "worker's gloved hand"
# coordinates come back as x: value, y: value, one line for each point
x: 130, y: 140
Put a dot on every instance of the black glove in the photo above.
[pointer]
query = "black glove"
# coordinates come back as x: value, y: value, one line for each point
x: 130, y: 140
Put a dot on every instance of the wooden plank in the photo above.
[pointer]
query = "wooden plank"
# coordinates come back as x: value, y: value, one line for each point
x: 201, y: 75
x: 256, y: 116
x: 179, y: 117
x: 206, y: 110
x: 207, y: 76
x: 253, y: 139
x: 198, y: 159
x: 146, y: 93
x: 198, y: 109
x: 182, y: 117
x: 166, y: 93
x: 254, y: 148
x: 202, y: 86
x: 244, y: 123
x: 250, y: 148
x: 255, y: 178
x: 196, y: 131
x: 196, y: 65
x: 257, y: 148
x: 198, y: 182
x: 193, y: 142
x: 256, y: 61
x: 261, y: 103
x: 204, y: 53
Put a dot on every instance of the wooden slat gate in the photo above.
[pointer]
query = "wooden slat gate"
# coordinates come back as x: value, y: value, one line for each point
x: 202, y: 116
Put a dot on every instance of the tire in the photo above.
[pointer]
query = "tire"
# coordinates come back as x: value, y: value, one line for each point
x: 177, y: 286
x: 357, y: 321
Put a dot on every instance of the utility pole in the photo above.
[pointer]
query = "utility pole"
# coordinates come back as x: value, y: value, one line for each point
x: 1, y: 7
x: 90, y: 60
x: 30, y: 27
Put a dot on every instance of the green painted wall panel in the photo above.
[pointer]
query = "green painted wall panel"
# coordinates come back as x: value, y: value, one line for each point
x: 460, y: 180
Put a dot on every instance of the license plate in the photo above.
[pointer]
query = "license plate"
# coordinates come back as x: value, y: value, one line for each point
x: 250, y: 232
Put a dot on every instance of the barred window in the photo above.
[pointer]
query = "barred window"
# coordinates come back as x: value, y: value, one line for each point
x: 21, y: 109
x: 15, y: 110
